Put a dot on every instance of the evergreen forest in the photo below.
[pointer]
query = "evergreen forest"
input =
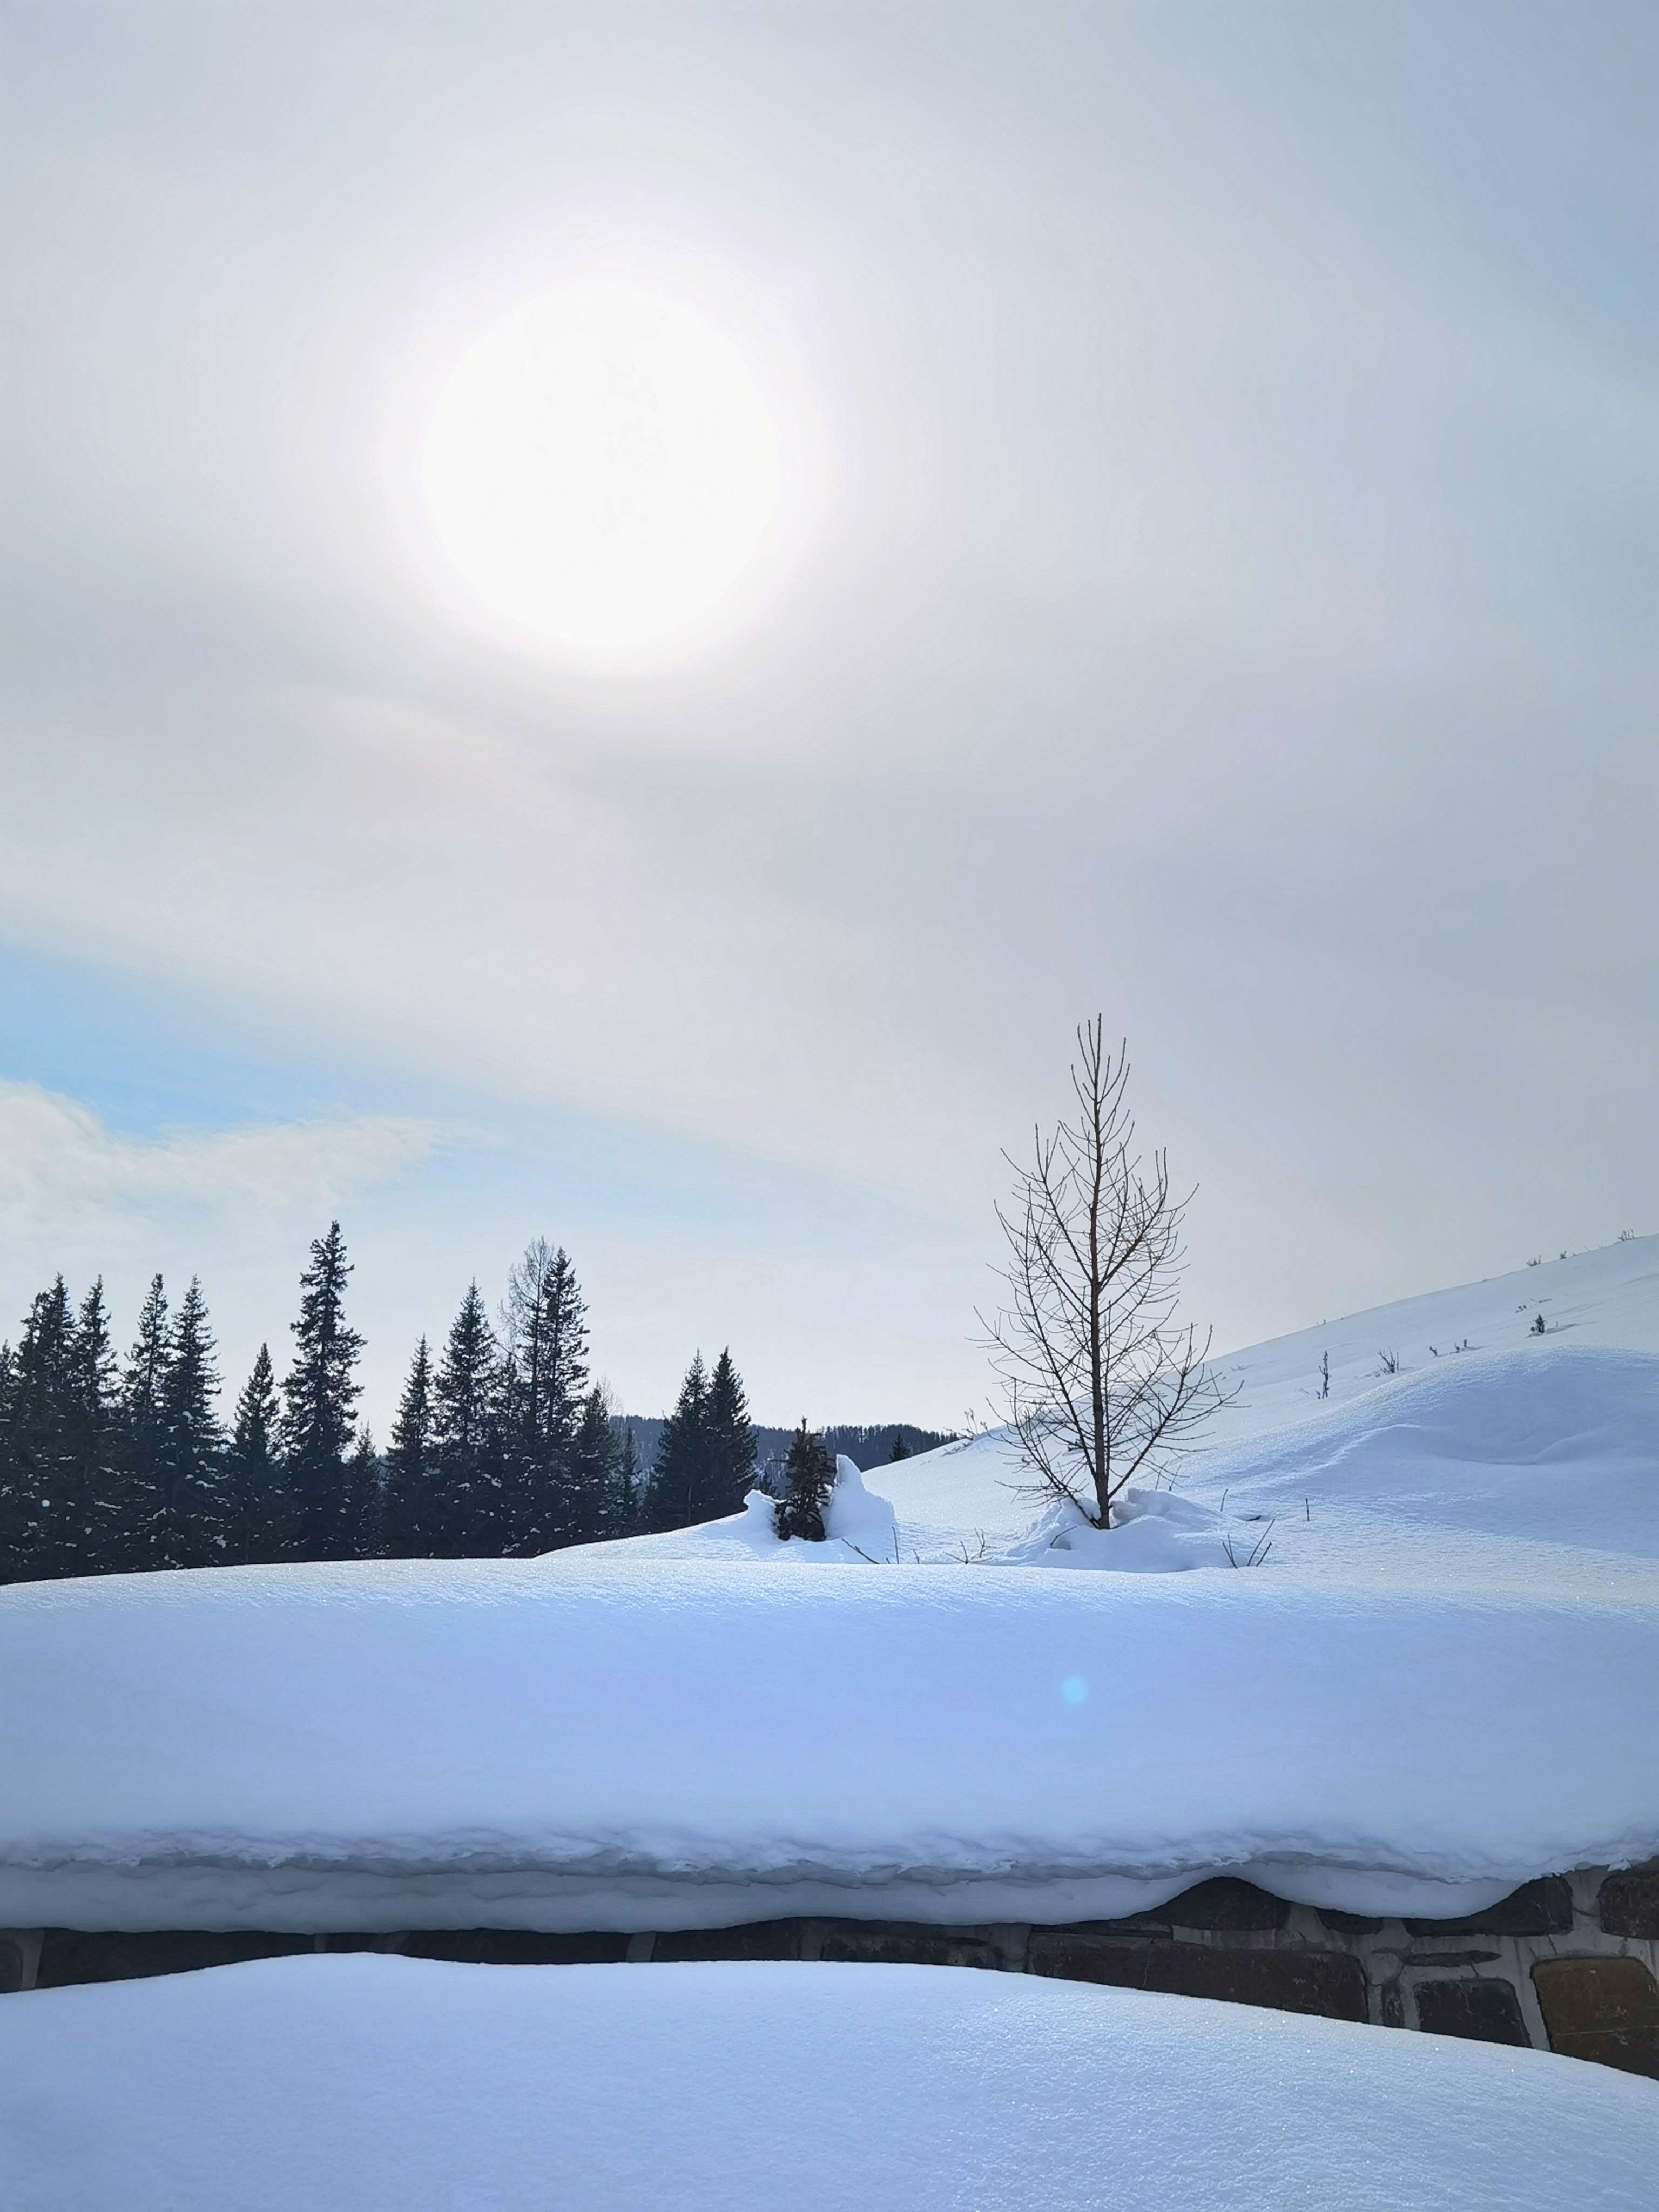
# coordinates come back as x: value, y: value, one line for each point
x: 502, y: 1445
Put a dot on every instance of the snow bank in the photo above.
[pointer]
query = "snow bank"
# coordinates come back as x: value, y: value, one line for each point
x: 394, y: 2085
x: 629, y: 1743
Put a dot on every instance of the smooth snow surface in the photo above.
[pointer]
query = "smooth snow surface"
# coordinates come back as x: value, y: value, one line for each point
x: 638, y: 1743
x: 396, y: 2085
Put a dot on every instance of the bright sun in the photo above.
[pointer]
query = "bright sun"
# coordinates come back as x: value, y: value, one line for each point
x: 601, y: 471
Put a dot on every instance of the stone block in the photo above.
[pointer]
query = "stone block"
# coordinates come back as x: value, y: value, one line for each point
x: 1543, y: 1907
x: 1349, y: 1924
x: 514, y: 1947
x: 1227, y: 1905
x: 1628, y: 1902
x: 760, y: 1939
x: 901, y: 1945
x: 1483, y: 2011
x: 68, y: 1955
x: 1605, y: 2009
x: 1330, y: 1983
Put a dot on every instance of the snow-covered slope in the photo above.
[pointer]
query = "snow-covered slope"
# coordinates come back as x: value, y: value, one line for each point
x: 1515, y: 1457
x: 394, y: 2085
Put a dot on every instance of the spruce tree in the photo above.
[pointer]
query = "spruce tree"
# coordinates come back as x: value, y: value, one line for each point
x: 408, y: 1465
x: 255, y: 1517
x: 680, y: 1474
x: 809, y: 1479
x: 143, y: 1424
x: 545, y: 1321
x: 466, y: 1436
x: 730, y: 1474
x: 319, y: 1400
x: 901, y: 1449
x: 44, y: 1509
x: 587, y: 1493
x: 105, y: 1504
x: 194, y: 1531
x: 623, y: 1512
x: 364, y: 1529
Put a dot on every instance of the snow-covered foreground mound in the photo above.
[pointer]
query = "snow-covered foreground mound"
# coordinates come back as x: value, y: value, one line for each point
x: 632, y: 1743
x: 392, y: 2085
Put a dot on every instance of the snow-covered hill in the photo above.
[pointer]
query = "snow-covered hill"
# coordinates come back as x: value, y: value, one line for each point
x: 398, y: 2084
x: 1496, y: 1458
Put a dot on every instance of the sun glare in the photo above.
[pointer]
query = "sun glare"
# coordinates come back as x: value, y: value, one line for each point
x: 601, y: 471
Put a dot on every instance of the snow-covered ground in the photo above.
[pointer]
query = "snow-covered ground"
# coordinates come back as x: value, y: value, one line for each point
x: 397, y: 2085
x: 1441, y: 1680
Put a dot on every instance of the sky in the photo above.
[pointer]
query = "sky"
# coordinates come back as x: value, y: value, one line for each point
x: 1135, y: 510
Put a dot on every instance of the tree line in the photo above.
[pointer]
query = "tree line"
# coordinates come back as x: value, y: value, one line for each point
x: 502, y: 1446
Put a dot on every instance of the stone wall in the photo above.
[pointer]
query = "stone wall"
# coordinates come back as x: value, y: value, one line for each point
x: 1569, y: 1963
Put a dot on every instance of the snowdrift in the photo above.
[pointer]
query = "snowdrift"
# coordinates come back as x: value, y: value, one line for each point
x: 632, y: 1743
x: 392, y: 2085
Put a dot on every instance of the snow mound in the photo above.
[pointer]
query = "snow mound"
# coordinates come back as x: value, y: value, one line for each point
x: 394, y: 2085
x: 630, y: 1743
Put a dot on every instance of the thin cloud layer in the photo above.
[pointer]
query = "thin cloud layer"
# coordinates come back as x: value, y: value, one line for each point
x: 1239, y: 447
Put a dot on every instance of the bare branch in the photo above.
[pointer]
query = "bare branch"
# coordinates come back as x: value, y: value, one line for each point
x: 1101, y: 1384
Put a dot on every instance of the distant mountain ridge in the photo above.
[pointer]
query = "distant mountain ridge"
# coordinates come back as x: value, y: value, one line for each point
x: 867, y: 1443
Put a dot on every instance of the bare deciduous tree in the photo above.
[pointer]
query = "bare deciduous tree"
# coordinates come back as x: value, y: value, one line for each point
x: 1103, y: 1384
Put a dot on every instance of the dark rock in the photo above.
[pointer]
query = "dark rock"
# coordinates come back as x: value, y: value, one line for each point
x: 514, y: 1947
x: 1543, y: 1907
x: 761, y: 1939
x: 1227, y: 1905
x: 70, y: 1954
x: 1605, y: 2009
x: 1350, y: 1924
x: 11, y: 1965
x: 883, y: 1945
x: 1446, y: 1960
x: 1484, y: 2012
x: 1325, y: 1982
x: 1628, y: 1902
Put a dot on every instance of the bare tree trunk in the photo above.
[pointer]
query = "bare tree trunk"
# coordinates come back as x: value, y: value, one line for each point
x: 1103, y: 1383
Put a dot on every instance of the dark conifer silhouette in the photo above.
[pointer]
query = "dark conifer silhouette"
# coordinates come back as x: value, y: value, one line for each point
x: 254, y: 1499
x: 731, y: 1444
x: 319, y: 1400
x: 467, y: 1435
x: 808, y: 1478
x: 409, y: 1464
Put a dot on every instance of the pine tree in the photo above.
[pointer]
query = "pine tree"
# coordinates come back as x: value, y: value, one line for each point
x: 623, y: 1512
x: 730, y: 1471
x: 43, y: 1507
x: 409, y: 1464
x: 679, y: 1475
x: 105, y: 1503
x: 193, y: 1531
x: 143, y: 1424
x: 587, y: 1494
x: 255, y: 1515
x: 808, y: 1478
x: 466, y: 1436
x: 364, y: 1530
x: 545, y: 1319
x: 901, y: 1449
x: 319, y: 1400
